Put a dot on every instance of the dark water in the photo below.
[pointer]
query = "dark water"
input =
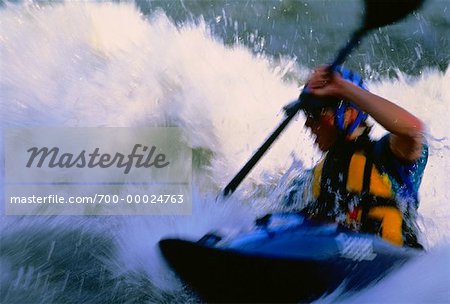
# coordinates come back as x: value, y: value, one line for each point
x: 313, y: 30
x: 67, y: 260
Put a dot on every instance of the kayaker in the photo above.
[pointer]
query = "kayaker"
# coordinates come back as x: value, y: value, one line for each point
x: 367, y: 185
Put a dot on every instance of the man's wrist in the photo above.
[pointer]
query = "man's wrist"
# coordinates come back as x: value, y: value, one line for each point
x: 345, y: 90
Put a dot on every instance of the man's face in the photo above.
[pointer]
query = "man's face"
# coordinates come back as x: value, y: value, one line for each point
x: 322, y: 126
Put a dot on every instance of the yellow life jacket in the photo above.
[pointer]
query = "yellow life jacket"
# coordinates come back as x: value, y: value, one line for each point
x: 359, y: 178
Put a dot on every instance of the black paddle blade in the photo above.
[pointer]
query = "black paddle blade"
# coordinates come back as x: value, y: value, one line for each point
x: 383, y: 12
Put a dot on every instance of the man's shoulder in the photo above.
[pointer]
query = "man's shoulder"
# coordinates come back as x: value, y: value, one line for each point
x: 382, y: 151
x: 387, y: 162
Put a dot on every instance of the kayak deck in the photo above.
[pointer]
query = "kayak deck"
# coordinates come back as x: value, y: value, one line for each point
x: 291, y: 263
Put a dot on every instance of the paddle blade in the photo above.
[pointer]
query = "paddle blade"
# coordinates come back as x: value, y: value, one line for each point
x: 383, y: 12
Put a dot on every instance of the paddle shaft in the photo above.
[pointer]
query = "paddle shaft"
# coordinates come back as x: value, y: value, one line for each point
x: 234, y: 183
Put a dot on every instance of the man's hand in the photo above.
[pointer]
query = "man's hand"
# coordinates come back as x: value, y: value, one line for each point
x: 325, y: 84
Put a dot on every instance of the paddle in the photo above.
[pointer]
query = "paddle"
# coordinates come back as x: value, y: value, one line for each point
x: 377, y: 13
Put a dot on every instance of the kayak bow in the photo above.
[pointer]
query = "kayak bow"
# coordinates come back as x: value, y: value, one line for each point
x: 285, y: 258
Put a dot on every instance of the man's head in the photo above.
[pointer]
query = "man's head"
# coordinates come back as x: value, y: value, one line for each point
x: 331, y: 119
x: 323, y: 125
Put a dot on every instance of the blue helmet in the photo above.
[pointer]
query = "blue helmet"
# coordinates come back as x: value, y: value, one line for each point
x: 311, y: 104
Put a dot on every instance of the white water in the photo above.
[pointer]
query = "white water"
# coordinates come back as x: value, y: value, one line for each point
x: 105, y: 65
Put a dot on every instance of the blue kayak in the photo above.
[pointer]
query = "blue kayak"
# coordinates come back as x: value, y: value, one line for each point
x: 285, y: 258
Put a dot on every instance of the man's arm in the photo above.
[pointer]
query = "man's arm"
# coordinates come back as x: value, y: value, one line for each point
x: 406, y: 130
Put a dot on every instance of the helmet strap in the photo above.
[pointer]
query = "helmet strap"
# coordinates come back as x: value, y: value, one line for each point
x: 340, y: 119
x: 339, y: 116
